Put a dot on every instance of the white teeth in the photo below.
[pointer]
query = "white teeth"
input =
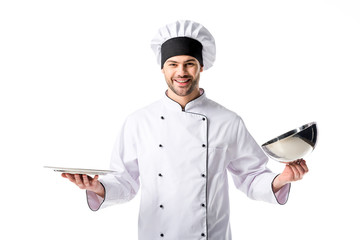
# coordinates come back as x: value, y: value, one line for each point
x: 182, y: 81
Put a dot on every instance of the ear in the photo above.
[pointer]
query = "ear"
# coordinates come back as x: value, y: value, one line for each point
x: 201, y: 69
x: 162, y: 70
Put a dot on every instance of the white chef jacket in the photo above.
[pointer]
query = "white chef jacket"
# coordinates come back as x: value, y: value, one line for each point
x: 181, y: 157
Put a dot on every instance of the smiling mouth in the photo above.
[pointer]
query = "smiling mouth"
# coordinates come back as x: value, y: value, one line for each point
x: 182, y: 80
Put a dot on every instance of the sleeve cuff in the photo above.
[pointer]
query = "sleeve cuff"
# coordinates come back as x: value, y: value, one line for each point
x: 94, y: 201
x: 282, y: 195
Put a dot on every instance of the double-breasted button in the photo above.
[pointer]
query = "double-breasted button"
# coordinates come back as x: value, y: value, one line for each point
x: 203, y: 205
x: 203, y: 175
x: 203, y: 119
x: 161, y: 206
x: 162, y: 117
x: 203, y: 145
x: 160, y: 145
x: 203, y: 235
x: 160, y: 175
x: 161, y: 235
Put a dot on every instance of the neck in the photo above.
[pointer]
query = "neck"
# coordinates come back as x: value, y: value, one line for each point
x: 183, y: 100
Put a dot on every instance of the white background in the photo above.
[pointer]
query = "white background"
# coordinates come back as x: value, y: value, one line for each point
x: 71, y: 71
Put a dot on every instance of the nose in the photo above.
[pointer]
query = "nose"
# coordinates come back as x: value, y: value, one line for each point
x: 181, y: 70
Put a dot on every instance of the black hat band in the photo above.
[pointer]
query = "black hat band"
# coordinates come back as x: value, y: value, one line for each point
x: 181, y: 46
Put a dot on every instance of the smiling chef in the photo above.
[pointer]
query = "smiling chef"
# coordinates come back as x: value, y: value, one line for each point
x: 181, y: 147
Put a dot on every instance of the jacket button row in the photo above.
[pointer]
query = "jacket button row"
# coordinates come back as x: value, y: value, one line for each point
x: 162, y: 117
x: 160, y: 175
x: 203, y: 234
x: 203, y: 175
x: 162, y: 206
x: 161, y: 235
x: 160, y: 145
x: 203, y: 145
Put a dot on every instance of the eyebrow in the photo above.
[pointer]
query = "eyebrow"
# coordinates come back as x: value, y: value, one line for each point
x: 190, y: 60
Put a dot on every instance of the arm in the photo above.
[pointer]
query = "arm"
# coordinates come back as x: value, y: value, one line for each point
x: 249, y: 171
x: 123, y: 185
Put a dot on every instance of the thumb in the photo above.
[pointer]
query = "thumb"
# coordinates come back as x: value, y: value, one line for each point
x: 96, y: 177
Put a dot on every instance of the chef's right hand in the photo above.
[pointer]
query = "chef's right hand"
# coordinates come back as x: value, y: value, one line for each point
x: 86, y: 182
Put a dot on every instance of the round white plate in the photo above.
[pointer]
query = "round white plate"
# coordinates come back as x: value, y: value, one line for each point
x: 80, y: 170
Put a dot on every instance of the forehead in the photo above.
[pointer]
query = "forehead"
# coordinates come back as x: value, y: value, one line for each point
x: 181, y: 58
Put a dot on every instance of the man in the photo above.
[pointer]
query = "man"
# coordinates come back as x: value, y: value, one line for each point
x: 181, y: 148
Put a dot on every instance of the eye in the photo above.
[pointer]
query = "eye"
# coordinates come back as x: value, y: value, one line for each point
x: 190, y: 64
x: 172, y: 65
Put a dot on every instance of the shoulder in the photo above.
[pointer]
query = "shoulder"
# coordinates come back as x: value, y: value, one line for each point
x: 218, y: 111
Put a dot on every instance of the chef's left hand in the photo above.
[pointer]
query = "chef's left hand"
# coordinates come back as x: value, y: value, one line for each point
x: 293, y: 171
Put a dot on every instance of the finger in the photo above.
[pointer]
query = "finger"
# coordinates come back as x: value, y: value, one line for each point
x: 70, y: 177
x: 300, y: 170
x: 295, y: 171
x: 94, y: 179
x: 85, y: 180
x: 79, y: 181
x: 304, y: 166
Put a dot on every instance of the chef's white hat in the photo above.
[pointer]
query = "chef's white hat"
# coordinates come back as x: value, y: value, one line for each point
x: 184, y: 37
